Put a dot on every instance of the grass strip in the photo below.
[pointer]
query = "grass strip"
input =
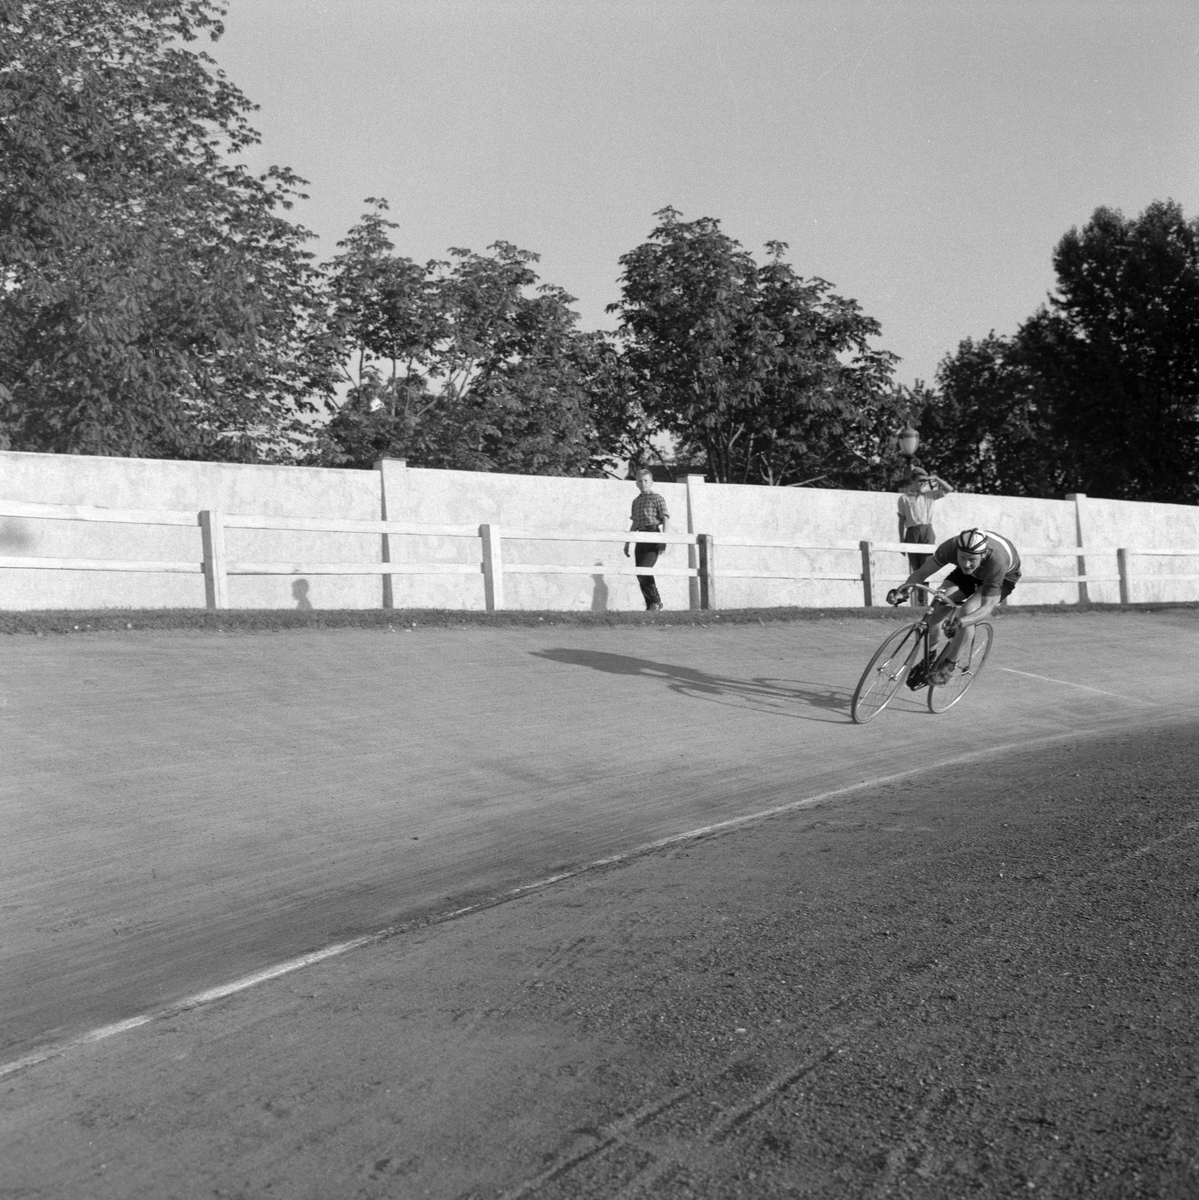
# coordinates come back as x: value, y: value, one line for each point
x: 42, y: 623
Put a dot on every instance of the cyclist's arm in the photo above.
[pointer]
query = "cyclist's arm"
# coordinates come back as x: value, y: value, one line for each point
x: 977, y: 608
x: 920, y: 574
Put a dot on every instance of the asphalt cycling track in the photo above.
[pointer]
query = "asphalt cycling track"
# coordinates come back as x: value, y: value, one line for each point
x: 188, y: 812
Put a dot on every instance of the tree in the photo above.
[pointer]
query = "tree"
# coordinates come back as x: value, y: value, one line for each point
x: 1098, y: 391
x: 986, y: 426
x: 154, y: 299
x: 1116, y: 354
x: 768, y: 377
x: 469, y: 363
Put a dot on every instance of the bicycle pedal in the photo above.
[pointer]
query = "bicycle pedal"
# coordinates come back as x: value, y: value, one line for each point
x: 918, y: 676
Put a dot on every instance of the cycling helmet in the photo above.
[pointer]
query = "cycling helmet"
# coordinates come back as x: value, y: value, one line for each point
x: 972, y: 541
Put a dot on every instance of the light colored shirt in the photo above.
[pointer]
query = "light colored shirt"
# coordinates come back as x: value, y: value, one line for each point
x: 917, y: 509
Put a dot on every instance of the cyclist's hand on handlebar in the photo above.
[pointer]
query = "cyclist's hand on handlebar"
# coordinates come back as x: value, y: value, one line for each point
x: 898, y: 595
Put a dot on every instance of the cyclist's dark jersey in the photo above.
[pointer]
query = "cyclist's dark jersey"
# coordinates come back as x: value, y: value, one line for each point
x: 1000, y: 565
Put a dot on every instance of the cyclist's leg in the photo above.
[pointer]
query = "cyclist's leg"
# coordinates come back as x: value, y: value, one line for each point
x: 961, y: 646
x: 937, y: 617
x: 964, y: 638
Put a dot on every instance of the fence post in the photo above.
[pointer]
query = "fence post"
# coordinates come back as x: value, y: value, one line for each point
x: 694, y: 483
x: 706, y: 556
x: 868, y: 573
x: 1125, y: 577
x: 216, y: 582
x: 1080, y: 507
x: 393, y: 475
x: 493, y: 567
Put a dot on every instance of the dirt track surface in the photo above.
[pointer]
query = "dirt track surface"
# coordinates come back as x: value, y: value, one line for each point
x: 976, y: 980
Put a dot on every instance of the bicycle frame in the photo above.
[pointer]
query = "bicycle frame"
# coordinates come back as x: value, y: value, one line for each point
x: 908, y: 656
x: 933, y: 597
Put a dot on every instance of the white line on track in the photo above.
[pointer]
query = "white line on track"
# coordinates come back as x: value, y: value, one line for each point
x: 1083, y: 686
x: 1161, y: 841
x: 223, y: 991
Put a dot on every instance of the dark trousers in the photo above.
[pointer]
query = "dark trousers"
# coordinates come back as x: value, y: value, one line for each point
x: 645, y: 554
x: 918, y: 533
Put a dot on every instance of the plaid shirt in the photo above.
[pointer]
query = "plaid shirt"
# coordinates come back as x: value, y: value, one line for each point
x: 649, y: 511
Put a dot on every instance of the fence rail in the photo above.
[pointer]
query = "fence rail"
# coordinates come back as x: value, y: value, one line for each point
x: 216, y: 566
x: 100, y: 564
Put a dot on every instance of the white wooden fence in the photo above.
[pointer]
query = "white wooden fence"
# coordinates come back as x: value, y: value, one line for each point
x: 216, y: 567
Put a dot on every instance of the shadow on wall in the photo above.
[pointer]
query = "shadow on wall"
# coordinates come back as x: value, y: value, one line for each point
x: 299, y: 591
x: 14, y: 535
x: 774, y: 696
x: 599, y: 593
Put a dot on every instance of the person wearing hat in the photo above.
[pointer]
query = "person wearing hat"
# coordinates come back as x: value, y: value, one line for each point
x: 916, y: 500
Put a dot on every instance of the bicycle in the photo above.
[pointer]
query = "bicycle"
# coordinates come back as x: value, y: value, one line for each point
x: 907, y: 656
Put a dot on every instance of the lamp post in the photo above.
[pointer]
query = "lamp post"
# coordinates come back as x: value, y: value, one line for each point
x: 909, y: 442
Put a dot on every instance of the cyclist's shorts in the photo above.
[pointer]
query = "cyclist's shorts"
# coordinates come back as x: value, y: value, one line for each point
x: 968, y: 585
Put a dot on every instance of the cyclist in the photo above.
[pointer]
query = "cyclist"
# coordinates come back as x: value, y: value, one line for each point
x: 986, y: 569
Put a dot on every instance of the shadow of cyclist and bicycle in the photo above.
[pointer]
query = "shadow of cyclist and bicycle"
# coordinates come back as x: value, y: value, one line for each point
x: 763, y: 693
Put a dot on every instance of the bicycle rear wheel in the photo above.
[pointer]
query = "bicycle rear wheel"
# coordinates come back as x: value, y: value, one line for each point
x: 964, y: 674
x: 885, y: 673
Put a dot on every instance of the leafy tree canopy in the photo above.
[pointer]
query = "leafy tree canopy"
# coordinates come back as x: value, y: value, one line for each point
x: 153, y: 298
x: 1098, y: 391
x: 985, y: 426
x: 763, y: 375
x: 469, y: 363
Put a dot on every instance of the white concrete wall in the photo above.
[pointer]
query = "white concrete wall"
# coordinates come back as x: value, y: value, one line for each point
x: 537, y: 502
x: 527, y: 502
x: 1114, y: 523
x: 166, y: 484
x: 794, y: 514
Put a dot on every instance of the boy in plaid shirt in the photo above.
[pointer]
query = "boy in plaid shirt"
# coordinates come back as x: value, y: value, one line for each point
x: 649, y: 516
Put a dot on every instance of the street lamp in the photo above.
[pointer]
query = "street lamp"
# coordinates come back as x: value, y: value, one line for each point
x: 909, y: 441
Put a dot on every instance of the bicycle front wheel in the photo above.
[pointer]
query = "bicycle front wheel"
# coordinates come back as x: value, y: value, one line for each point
x: 965, y: 673
x: 885, y: 673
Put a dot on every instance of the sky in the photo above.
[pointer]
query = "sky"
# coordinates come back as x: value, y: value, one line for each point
x: 924, y: 156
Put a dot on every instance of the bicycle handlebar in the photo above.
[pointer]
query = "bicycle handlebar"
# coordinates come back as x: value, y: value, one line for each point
x: 931, y: 594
